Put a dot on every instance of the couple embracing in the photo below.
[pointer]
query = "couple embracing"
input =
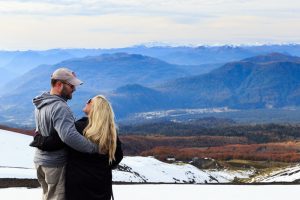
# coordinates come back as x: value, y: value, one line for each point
x: 74, y: 159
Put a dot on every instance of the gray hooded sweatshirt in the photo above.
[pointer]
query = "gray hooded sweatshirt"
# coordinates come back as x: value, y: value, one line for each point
x: 53, y: 113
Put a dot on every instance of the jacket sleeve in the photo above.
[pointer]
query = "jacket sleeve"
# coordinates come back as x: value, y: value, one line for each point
x: 64, y: 123
x: 47, y: 143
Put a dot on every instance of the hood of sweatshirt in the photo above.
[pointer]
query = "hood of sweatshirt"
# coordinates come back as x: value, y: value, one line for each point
x: 46, y: 99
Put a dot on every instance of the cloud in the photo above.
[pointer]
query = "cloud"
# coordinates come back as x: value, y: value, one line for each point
x: 181, y: 11
x: 35, y: 24
x: 147, y: 7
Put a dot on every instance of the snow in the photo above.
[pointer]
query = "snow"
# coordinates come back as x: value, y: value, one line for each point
x: 181, y: 112
x: 17, y: 162
x: 150, y: 170
x: 178, y: 192
x: 288, y: 174
x: 21, y: 173
x: 15, y: 150
x: 226, y: 176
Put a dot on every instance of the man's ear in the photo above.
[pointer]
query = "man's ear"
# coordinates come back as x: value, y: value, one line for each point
x: 59, y: 85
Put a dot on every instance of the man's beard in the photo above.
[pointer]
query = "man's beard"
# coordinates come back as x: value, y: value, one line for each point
x: 65, y: 94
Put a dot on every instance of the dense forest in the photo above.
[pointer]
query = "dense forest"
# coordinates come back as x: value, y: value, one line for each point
x: 257, y: 133
x: 222, y: 140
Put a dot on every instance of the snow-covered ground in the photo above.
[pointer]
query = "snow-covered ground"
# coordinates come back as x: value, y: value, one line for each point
x: 289, y: 174
x: 15, y: 150
x: 226, y: 176
x: 150, y: 170
x: 8, y: 172
x: 179, y: 192
x: 17, y: 162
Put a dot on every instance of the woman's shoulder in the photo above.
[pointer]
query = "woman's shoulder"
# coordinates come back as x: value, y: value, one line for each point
x: 81, y: 124
x: 83, y: 119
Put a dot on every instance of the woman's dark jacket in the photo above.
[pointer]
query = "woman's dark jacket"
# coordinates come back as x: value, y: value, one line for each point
x: 88, y: 176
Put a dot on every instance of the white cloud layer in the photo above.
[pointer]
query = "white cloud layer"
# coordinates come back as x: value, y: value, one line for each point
x: 42, y: 24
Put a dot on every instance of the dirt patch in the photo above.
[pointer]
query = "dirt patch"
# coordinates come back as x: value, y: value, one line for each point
x: 13, y: 182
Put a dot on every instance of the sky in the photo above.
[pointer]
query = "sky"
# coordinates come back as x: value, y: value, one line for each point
x: 46, y: 24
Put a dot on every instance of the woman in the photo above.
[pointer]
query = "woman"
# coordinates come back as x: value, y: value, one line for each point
x: 89, y: 176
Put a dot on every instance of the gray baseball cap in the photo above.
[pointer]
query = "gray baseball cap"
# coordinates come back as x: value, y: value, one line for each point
x: 65, y: 74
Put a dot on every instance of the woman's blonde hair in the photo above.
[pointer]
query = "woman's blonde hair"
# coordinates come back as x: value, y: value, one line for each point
x: 101, y: 128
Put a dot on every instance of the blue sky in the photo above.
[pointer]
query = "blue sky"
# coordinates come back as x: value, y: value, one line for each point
x: 38, y: 24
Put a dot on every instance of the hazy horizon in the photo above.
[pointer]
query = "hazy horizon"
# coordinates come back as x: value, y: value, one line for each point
x: 159, y: 44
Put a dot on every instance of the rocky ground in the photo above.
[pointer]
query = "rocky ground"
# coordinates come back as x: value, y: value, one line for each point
x: 13, y: 182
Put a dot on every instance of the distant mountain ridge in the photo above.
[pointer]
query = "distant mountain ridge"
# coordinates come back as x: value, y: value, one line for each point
x: 137, y: 83
x: 185, y: 55
x: 23, y: 61
x: 244, y: 84
x: 99, y: 73
x: 204, y: 57
x: 272, y: 57
x: 105, y: 72
x: 137, y: 98
x: 27, y: 60
x: 268, y: 81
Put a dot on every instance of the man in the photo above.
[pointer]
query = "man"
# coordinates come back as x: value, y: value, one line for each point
x: 53, y: 116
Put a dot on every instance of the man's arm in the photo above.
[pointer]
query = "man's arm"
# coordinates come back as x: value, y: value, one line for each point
x: 63, y: 122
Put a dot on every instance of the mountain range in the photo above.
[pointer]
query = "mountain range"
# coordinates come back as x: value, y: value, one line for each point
x: 263, y: 81
x: 101, y: 74
x: 104, y: 72
x: 267, y: 81
x: 137, y: 83
x: 209, y: 57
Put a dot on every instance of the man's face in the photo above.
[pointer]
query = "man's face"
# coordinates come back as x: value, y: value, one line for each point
x: 67, y: 90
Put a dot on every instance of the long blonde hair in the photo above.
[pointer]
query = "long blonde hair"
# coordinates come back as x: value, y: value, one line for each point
x: 101, y: 128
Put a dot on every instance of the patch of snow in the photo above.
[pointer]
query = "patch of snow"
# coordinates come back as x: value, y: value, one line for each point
x: 227, y: 176
x: 150, y: 170
x: 288, y: 174
x: 181, y: 112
